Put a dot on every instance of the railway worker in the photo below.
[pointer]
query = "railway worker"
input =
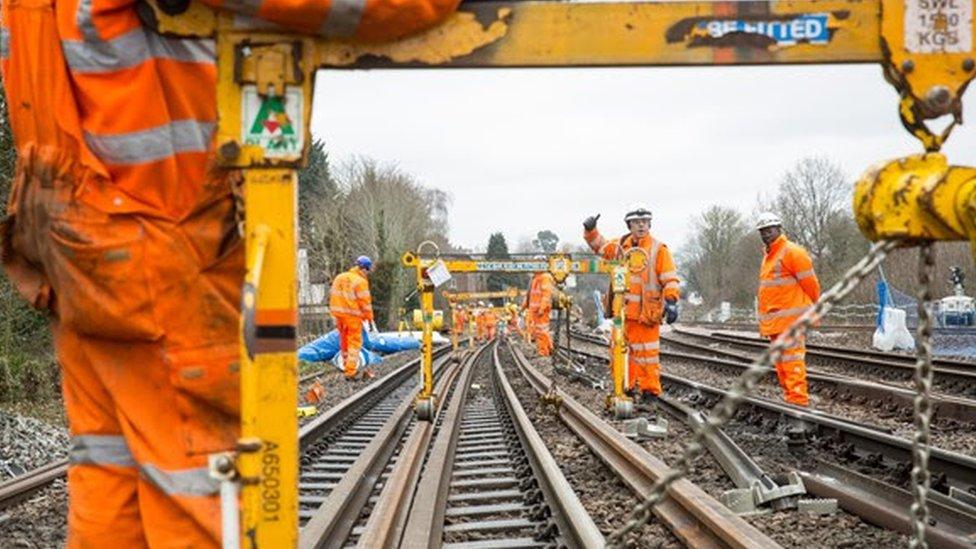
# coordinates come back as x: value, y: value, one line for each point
x: 513, y: 319
x: 459, y: 321
x: 652, y: 295
x: 539, y: 310
x: 351, y: 304
x: 491, y: 322
x: 121, y: 228
x: 479, y: 321
x: 788, y: 287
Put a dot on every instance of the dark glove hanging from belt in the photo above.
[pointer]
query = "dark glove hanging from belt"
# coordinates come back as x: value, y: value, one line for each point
x: 670, y: 311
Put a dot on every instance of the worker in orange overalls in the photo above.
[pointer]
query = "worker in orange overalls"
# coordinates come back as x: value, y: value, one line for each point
x: 788, y: 287
x: 538, y: 304
x: 513, y: 320
x: 351, y: 305
x: 652, y: 295
x: 491, y: 322
x: 459, y: 322
x: 120, y: 227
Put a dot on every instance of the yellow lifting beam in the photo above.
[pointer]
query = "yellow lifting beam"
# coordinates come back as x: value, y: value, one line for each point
x: 925, y: 49
x: 456, y: 297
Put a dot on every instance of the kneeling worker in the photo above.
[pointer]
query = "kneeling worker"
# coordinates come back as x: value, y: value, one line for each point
x: 788, y: 287
x: 652, y: 294
x: 351, y: 305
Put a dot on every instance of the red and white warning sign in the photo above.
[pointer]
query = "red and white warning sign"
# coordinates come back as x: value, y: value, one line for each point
x: 938, y: 26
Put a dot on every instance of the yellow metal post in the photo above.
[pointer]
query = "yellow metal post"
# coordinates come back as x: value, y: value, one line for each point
x: 268, y: 461
x: 618, y: 401
x: 424, y: 404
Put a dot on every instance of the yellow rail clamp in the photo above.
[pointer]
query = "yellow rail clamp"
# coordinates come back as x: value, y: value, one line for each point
x: 307, y: 411
x: 917, y: 198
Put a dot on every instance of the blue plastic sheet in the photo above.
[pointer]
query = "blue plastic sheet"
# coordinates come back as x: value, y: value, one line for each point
x: 327, y: 346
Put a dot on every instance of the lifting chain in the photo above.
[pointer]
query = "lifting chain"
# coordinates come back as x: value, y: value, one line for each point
x: 923, y: 401
x: 746, y: 384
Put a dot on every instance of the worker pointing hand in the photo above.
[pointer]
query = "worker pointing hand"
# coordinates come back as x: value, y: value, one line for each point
x: 590, y: 222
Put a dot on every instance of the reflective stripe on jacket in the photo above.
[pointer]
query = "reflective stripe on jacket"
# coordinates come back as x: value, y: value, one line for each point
x: 540, y: 294
x: 138, y: 108
x: 645, y: 290
x: 787, y: 286
x: 349, y: 295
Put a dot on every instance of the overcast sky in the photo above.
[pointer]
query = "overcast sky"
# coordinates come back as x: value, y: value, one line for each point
x: 524, y: 150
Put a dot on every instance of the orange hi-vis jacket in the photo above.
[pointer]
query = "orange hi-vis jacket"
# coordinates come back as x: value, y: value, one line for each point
x: 350, y: 295
x: 135, y: 110
x: 647, y: 289
x: 787, y: 286
x: 539, y: 298
x: 459, y: 321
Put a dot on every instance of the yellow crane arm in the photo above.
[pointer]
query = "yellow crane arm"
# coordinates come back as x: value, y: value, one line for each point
x: 455, y: 297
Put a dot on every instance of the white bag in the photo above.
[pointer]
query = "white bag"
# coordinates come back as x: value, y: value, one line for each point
x: 895, y: 334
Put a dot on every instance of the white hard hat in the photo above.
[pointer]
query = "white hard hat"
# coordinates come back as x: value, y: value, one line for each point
x: 768, y: 219
x: 638, y: 211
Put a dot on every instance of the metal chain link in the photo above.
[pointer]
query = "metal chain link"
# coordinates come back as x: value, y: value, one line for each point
x: 923, y: 401
x: 746, y: 384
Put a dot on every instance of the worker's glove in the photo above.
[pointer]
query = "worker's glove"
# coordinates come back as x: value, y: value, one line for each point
x: 590, y: 222
x: 372, y: 326
x: 670, y: 311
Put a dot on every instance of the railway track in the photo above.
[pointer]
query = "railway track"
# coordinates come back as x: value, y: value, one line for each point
x: 326, y: 426
x: 950, y: 377
x: 479, y: 477
x: 751, y: 327
x: 838, y: 440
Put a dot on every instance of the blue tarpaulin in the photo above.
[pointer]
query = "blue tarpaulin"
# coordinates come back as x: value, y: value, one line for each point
x: 327, y: 346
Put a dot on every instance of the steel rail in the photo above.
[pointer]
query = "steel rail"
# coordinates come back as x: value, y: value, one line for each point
x: 575, y: 524
x: 15, y: 490
x: 340, y: 413
x: 887, y: 506
x: 388, y: 519
x: 877, y: 502
x: 845, y: 350
x: 751, y: 327
x: 693, y: 516
x: 425, y: 522
x: 962, y: 373
x: 334, y: 520
x: 947, y: 406
x: 959, y: 470
x: 741, y: 469
x: 19, y: 488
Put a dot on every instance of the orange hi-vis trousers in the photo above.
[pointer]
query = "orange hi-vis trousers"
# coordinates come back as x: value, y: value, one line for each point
x: 644, y: 356
x: 149, y: 390
x: 350, y: 342
x: 792, y: 372
x: 540, y: 332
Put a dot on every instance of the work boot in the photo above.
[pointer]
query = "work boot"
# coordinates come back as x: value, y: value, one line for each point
x: 351, y: 378
x: 368, y: 373
x: 650, y: 399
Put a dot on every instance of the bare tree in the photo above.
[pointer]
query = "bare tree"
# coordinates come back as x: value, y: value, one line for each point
x: 711, y: 261
x: 814, y: 198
